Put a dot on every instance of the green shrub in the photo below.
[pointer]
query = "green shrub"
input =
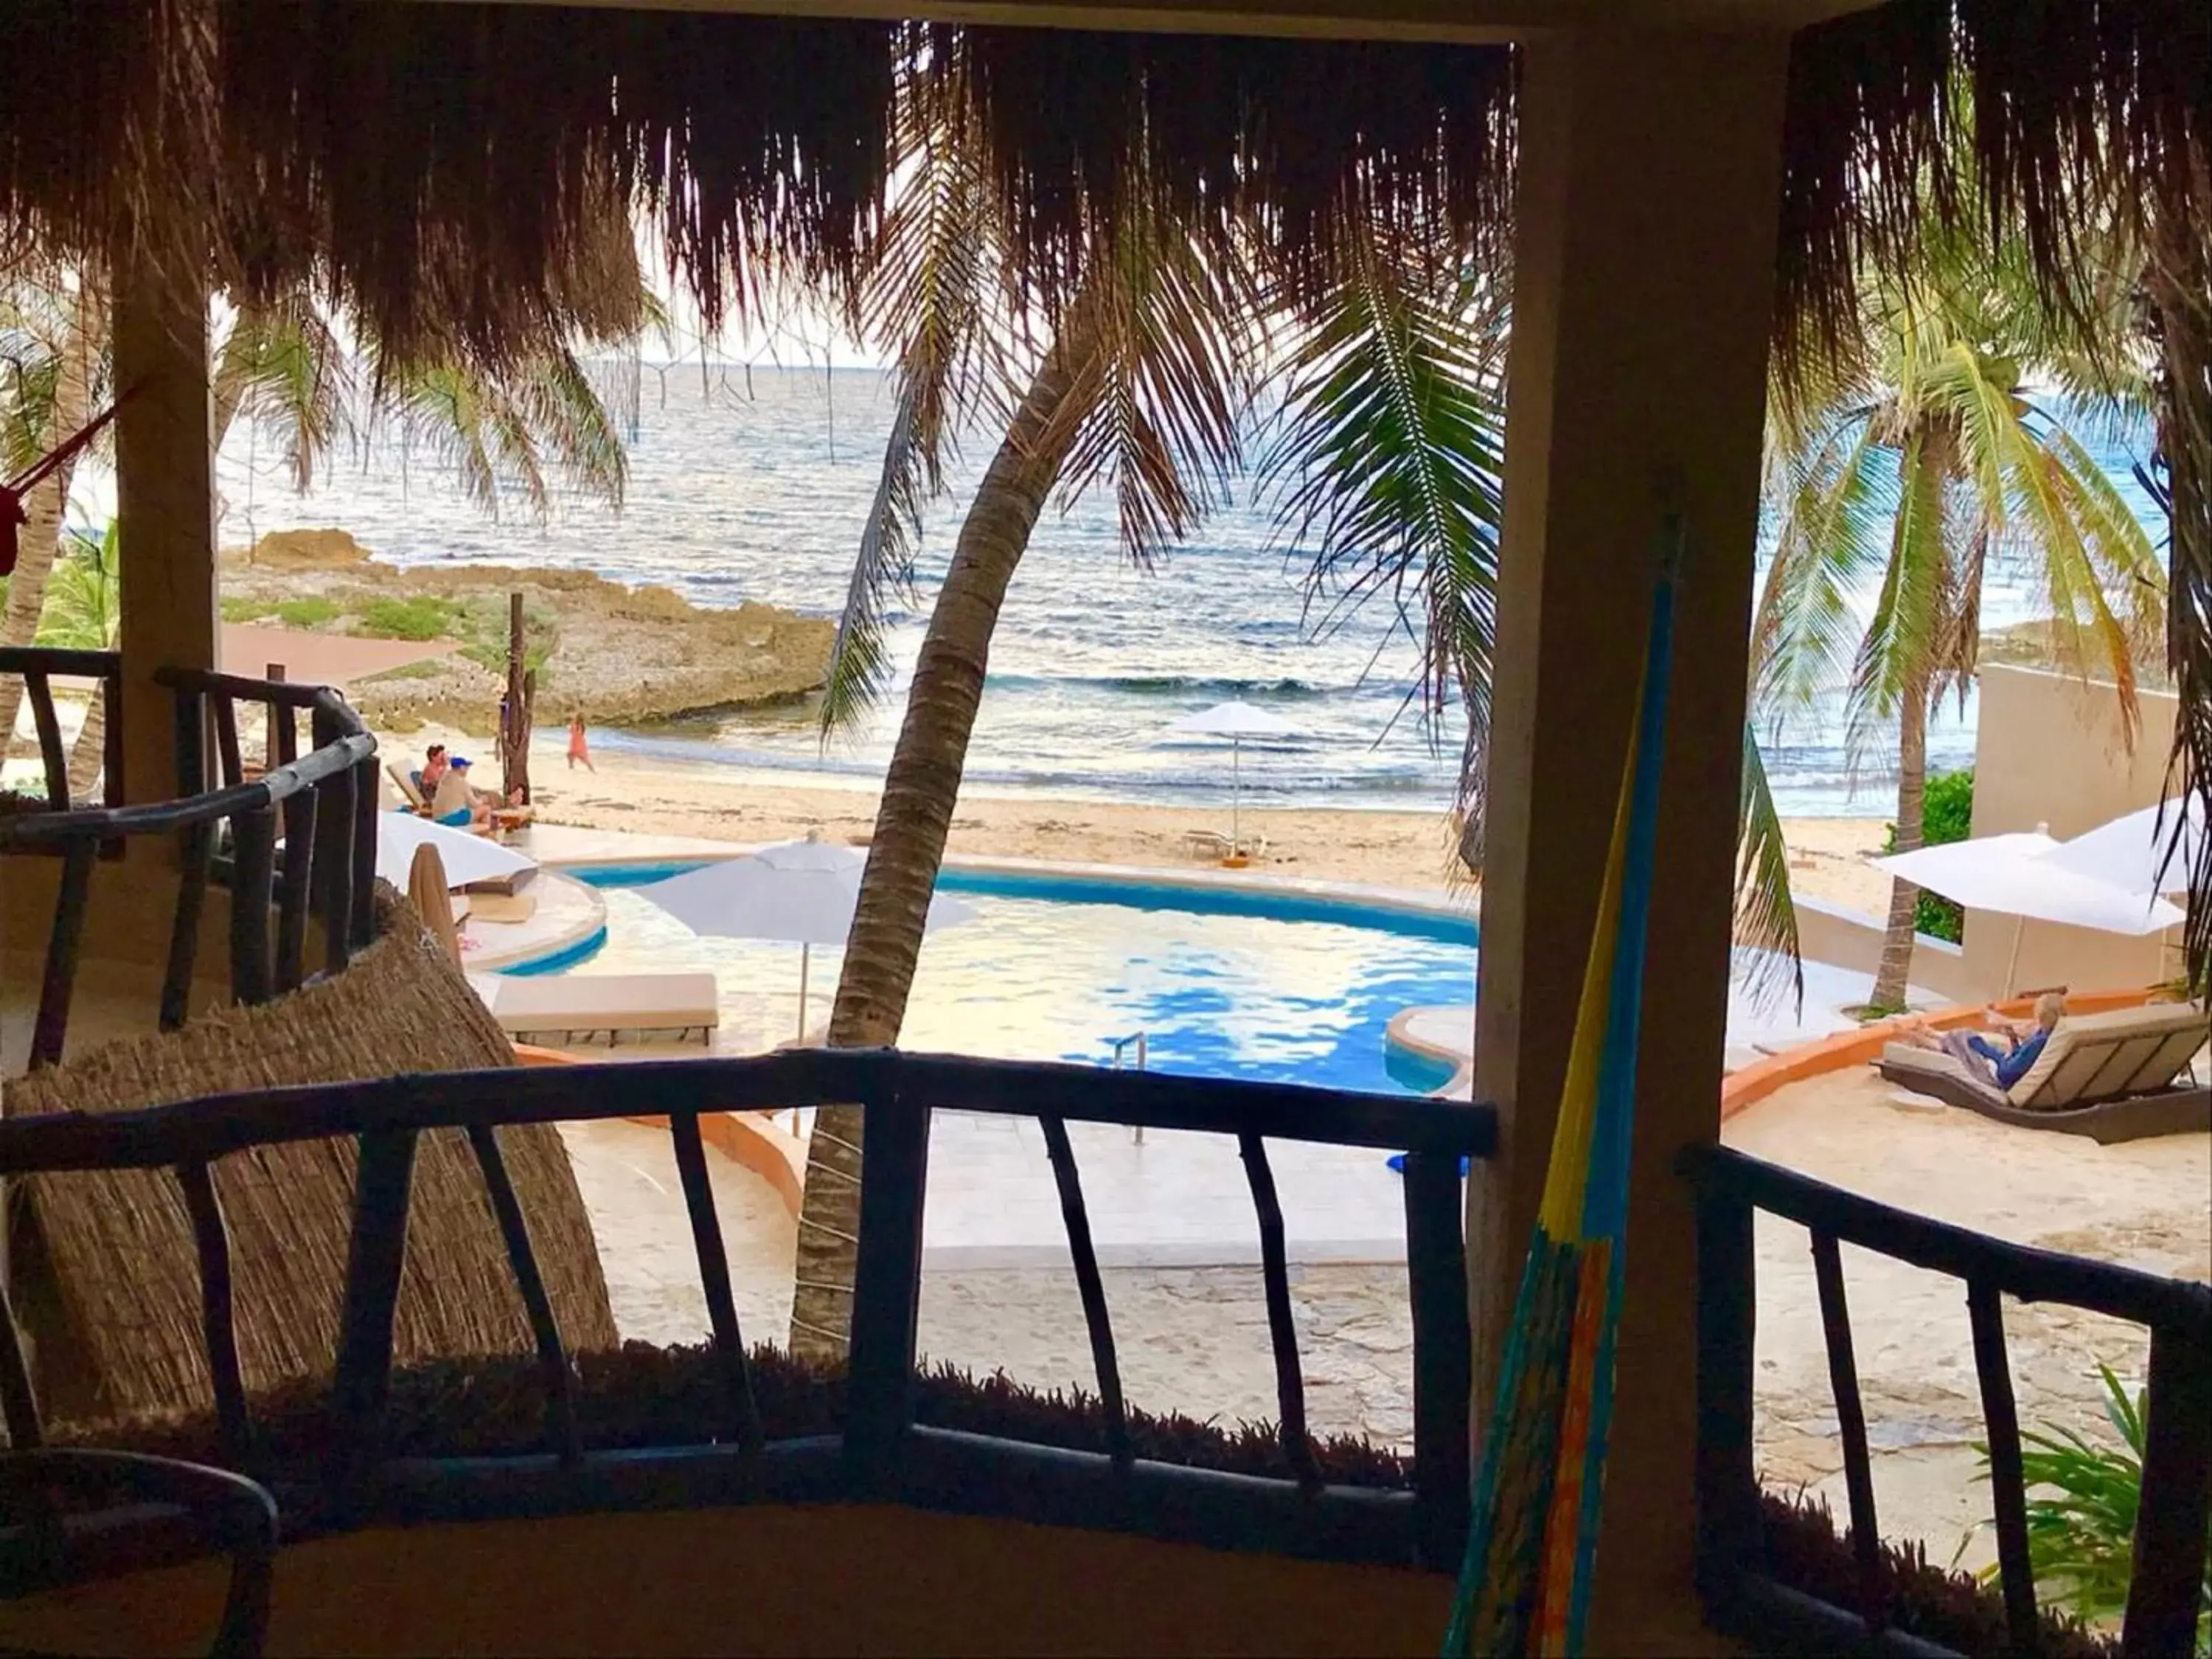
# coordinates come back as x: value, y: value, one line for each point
x: 246, y: 610
x: 2081, y: 1534
x: 1947, y: 814
x: 420, y: 617
x: 312, y: 612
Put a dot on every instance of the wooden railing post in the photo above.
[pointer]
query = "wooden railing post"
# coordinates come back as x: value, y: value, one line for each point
x: 1726, y: 1315
x: 886, y: 1288
x: 334, y: 848
x: 253, y: 861
x: 1443, y: 1355
x: 2176, y: 1506
x: 365, y: 799
x: 191, y: 743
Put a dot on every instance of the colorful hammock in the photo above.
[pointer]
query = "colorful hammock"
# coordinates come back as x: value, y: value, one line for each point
x: 1524, y: 1587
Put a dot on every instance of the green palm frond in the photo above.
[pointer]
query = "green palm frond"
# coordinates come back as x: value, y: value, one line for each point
x: 1834, y: 492
x: 1160, y: 427
x: 859, y: 672
x: 281, y: 366
x: 1386, y: 467
x: 1765, y: 909
x: 930, y: 293
x: 562, y: 415
x: 442, y: 407
x: 1896, y: 662
x: 84, y: 608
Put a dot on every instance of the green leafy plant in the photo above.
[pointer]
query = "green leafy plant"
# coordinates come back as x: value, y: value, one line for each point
x: 419, y: 616
x: 2082, y: 1530
x: 1947, y: 814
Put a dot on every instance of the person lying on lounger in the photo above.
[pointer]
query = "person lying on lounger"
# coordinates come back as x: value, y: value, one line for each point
x: 2023, y: 1039
x: 455, y: 805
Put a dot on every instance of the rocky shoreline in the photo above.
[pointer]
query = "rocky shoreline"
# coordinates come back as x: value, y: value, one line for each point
x: 621, y: 656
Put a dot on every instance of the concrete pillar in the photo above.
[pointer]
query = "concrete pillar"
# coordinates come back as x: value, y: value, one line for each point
x: 165, y: 501
x: 1644, y: 281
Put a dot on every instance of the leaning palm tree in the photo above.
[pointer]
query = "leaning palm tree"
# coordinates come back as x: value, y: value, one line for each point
x: 1136, y: 392
x: 1905, y: 474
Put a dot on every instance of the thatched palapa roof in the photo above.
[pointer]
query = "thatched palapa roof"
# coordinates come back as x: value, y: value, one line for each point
x: 444, y: 169
x: 458, y: 174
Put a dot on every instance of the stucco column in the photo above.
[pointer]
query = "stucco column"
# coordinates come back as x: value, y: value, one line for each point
x: 1644, y: 281
x: 165, y: 503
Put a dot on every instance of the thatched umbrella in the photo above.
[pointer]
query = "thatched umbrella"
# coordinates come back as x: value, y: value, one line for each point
x: 434, y: 901
x: 106, y: 1278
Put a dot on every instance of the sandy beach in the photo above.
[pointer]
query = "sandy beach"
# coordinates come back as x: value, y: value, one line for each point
x: 655, y: 796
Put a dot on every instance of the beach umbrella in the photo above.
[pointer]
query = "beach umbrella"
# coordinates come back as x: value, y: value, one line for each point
x: 468, y: 858
x: 2016, y: 875
x: 1524, y: 1585
x: 2136, y: 853
x: 1234, y: 721
x: 798, y: 892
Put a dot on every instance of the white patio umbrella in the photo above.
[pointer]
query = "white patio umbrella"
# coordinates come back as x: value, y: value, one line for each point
x: 467, y: 857
x: 798, y: 892
x: 2013, y: 874
x: 2135, y: 852
x: 1234, y: 721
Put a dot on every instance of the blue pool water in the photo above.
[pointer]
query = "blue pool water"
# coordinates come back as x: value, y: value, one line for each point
x: 1223, y: 982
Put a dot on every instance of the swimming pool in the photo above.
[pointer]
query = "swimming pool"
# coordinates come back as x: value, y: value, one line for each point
x: 1221, y: 981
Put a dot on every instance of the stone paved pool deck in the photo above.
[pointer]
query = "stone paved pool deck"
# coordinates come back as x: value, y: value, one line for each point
x: 1194, y: 1337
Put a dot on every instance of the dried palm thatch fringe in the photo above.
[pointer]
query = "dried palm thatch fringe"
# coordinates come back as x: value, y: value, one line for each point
x: 1315, y: 142
x: 2062, y: 112
x: 106, y: 1279
x: 445, y: 170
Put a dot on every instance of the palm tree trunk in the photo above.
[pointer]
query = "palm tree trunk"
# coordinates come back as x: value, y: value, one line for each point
x: 915, y: 816
x: 1896, y: 967
x: 89, y: 749
x: 40, y: 536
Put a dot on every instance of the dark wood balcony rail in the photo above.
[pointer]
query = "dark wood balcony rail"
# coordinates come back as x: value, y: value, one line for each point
x: 228, y: 824
x: 2167, y: 1581
x: 882, y: 1452
x: 38, y: 666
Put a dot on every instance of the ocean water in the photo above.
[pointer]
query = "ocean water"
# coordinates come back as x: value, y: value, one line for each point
x: 753, y: 484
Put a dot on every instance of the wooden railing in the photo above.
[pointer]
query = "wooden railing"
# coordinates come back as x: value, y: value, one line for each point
x: 2168, y: 1569
x: 226, y: 825
x: 882, y: 1452
x: 38, y: 666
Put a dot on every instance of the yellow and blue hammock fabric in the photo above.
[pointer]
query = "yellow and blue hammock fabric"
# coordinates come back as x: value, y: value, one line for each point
x: 1524, y: 1586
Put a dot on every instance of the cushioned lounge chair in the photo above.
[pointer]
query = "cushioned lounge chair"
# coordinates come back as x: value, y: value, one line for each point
x: 568, y: 1007
x: 408, y: 791
x: 2113, y: 1077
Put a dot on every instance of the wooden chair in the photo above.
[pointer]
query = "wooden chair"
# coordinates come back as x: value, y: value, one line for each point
x: 220, y: 1511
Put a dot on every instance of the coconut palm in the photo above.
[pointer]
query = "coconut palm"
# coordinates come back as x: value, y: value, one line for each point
x: 505, y: 430
x: 53, y: 375
x: 83, y: 612
x: 1137, y: 392
x: 1387, y: 465
x: 1905, y: 473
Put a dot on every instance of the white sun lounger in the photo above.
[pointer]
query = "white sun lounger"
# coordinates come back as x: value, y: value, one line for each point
x: 2111, y: 1076
x: 566, y: 1007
